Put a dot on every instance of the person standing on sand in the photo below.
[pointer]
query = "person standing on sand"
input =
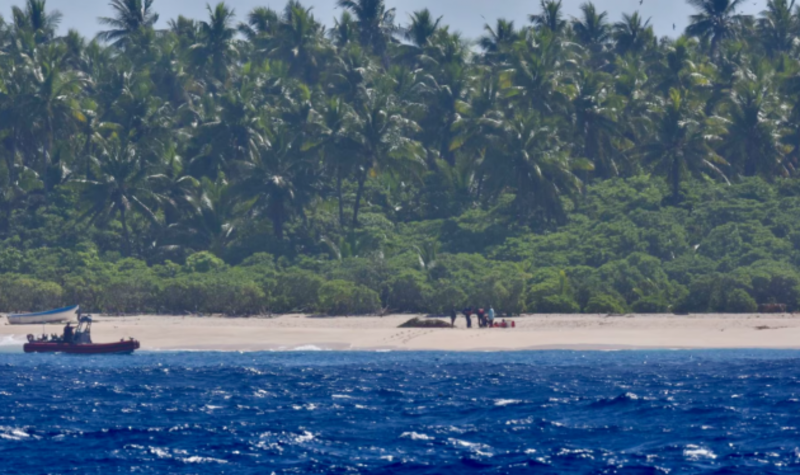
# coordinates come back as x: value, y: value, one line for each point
x: 481, y: 318
x: 491, y: 315
x: 453, y: 315
x: 468, y: 315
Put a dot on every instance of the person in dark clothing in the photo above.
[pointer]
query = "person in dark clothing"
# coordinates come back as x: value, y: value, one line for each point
x: 468, y: 316
x: 481, y: 318
x: 68, y: 334
x: 453, y: 315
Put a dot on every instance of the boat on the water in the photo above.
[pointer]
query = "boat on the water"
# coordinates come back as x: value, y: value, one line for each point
x: 120, y: 347
x: 59, y: 315
x: 78, y: 342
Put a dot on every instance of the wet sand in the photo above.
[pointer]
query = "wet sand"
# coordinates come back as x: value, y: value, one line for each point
x: 533, y: 332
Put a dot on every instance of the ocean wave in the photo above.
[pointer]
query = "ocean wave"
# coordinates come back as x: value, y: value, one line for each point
x: 407, y: 413
x: 415, y: 436
x: 309, y: 348
x: 13, y: 433
x: 694, y: 453
x: 506, y: 402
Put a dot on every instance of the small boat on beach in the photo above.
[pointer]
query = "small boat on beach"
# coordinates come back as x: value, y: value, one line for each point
x: 78, y: 342
x: 59, y: 315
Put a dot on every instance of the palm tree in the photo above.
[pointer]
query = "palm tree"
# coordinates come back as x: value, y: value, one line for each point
x: 447, y: 90
x: 380, y: 135
x: 375, y: 25
x: 596, y: 123
x: 215, y: 51
x: 212, y: 223
x: 120, y: 186
x: 500, y: 38
x: 680, y: 68
x: 47, y: 108
x: 422, y: 28
x: 539, y: 68
x: 633, y: 36
x: 300, y: 43
x: 131, y: 18
x: 778, y: 27
x: 278, y: 180
x: 715, y: 21
x: 338, y: 147
x: 233, y: 132
x: 177, y: 190
x: 345, y: 30
x: 752, y: 142
x: 261, y: 23
x: 551, y: 17
x: 528, y: 159
x: 592, y: 30
x: 36, y: 20
x: 680, y: 144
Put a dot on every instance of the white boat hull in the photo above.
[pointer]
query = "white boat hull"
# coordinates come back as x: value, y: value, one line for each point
x: 52, y: 316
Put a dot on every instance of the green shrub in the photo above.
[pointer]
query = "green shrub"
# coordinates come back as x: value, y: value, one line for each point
x: 558, y: 304
x: 408, y: 292
x: 739, y: 301
x: 445, y: 297
x: 651, y: 304
x: 129, y: 295
x: 23, y: 294
x: 296, y: 291
x: 224, y: 294
x: 202, y: 262
x: 340, y: 297
x: 603, y: 303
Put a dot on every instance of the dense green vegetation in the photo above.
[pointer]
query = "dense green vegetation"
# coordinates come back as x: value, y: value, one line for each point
x: 266, y: 163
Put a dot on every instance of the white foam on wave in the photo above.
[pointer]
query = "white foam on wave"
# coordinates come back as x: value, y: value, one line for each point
x: 306, y: 437
x: 7, y: 340
x: 12, y: 343
x: 416, y: 436
x: 695, y: 453
x: 176, y: 455
x: 506, y: 402
x: 196, y: 459
x: 309, y: 348
x: 13, y: 433
x: 482, y: 450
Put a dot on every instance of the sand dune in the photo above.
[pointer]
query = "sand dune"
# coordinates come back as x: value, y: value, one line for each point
x: 374, y: 333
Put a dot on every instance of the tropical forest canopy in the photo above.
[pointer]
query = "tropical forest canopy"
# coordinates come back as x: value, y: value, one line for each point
x: 258, y: 161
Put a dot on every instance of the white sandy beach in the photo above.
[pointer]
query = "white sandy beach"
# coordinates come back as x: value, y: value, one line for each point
x: 535, y: 332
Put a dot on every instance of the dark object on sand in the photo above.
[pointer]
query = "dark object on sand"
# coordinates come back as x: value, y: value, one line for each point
x: 419, y: 323
x: 772, y: 308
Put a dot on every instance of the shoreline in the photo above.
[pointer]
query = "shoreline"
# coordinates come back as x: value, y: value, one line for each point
x: 532, y: 333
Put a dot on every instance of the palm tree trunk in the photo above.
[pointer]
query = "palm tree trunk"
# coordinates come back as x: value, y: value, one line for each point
x: 277, y: 226
x: 361, y: 180
x: 277, y: 219
x: 676, y: 181
x: 125, y: 235
x: 339, y: 196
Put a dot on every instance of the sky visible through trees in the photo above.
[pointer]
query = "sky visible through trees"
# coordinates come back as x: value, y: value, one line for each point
x: 466, y: 16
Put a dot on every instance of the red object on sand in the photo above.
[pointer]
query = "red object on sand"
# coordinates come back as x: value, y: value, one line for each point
x: 125, y: 346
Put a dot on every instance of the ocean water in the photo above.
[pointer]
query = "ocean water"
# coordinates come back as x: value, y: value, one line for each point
x: 638, y: 412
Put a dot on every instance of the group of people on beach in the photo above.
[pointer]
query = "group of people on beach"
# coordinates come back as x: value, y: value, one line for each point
x: 485, y: 318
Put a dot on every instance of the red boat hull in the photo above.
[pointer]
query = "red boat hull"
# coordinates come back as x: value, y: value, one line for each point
x: 127, y: 346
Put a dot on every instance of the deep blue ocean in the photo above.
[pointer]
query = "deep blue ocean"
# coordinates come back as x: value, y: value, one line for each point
x: 633, y: 412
